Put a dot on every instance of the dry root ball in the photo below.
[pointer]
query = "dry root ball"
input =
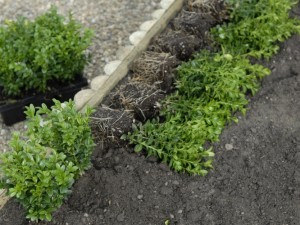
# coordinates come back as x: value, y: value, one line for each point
x: 155, y: 68
x: 216, y: 8
x: 197, y: 24
x: 200, y: 16
x: 111, y: 123
x: 180, y: 44
x: 140, y: 98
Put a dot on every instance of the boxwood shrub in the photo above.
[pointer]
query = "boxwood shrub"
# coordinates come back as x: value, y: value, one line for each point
x: 46, y: 160
x: 32, y: 53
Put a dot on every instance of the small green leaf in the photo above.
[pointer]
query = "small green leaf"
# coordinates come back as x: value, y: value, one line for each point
x: 138, y: 148
x: 124, y: 137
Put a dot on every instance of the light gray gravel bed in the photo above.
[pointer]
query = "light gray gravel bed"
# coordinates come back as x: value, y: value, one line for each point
x: 112, y: 20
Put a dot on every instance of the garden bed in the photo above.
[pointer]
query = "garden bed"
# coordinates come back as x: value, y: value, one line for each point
x: 255, y: 179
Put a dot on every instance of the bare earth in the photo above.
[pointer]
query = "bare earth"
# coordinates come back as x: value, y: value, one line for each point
x: 255, y: 181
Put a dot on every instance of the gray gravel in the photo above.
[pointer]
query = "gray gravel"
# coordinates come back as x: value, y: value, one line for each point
x: 112, y: 20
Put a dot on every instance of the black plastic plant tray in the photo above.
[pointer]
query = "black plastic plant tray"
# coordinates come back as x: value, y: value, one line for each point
x: 13, y: 112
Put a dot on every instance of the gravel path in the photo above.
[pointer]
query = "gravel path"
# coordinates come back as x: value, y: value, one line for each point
x: 112, y: 20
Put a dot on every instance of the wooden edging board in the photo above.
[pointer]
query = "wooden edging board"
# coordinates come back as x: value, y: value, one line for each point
x: 93, y: 97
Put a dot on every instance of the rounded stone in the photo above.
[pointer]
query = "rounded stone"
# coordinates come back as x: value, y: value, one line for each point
x: 123, y: 52
x: 98, y: 82
x: 82, y: 97
x: 228, y: 146
x: 166, y: 3
x: 140, y: 197
x: 147, y: 25
x: 136, y: 37
x: 3, y: 132
x: 111, y: 67
x: 158, y: 13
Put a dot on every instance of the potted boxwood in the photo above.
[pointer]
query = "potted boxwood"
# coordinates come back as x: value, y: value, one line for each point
x: 40, y: 60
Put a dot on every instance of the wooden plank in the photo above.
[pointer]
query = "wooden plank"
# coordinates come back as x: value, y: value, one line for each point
x: 123, y: 68
x: 3, y: 198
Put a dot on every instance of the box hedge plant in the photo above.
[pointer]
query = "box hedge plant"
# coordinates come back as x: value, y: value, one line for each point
x: 215, y: 85
x: 46, y: 160
x: 34, y: 53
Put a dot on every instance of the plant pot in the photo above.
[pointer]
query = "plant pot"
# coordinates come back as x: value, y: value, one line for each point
x: 13, y: 110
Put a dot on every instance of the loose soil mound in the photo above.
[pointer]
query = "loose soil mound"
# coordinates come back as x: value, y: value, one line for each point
x: 256, y: 176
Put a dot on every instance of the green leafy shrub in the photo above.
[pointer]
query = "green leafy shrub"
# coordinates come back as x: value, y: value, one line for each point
x: 42, y: 167
x: 213, y: 86
x: 32, y: 53
x: 63, y: 129
x: 210, y: 89
x: 256, y: 27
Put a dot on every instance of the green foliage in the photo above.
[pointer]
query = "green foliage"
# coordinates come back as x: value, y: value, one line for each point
x: 256, y: 27
x: 64, y: 129
x: 32, y: 53
x: 210, y: 89
x: 213, y: 86
x: 42, y: 167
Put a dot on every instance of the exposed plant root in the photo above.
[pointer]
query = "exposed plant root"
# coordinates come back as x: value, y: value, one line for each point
x: 216, y: 8
x: 204, y: 5
x: 152, y: 67
x: 130, y: 98
x: 139, y: 97
x: 111, y: 123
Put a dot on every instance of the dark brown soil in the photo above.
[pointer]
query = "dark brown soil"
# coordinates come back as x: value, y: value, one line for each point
x: 256, y: 176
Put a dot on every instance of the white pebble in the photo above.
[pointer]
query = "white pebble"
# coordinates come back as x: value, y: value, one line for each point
x: 228, y: 146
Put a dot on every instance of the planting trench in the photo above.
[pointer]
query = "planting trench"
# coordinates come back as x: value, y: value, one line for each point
x: 256, y: 176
